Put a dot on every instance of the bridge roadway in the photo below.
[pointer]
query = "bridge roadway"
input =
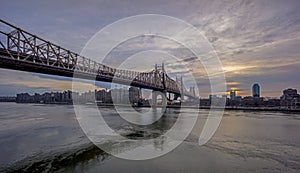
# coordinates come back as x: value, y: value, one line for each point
x: 21, y: 50
x: 8, y: 63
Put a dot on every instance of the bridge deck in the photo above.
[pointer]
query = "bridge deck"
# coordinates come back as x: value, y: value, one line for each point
x: 21, y: 50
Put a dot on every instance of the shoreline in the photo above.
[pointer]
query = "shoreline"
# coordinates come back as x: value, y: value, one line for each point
x: 274, y: 109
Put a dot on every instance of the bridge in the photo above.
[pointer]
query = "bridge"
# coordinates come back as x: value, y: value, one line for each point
x: 21, y: 50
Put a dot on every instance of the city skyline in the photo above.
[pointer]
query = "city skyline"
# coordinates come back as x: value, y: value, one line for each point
x: 145, y: 93
x: 252, y: 46
x: 289, y: 100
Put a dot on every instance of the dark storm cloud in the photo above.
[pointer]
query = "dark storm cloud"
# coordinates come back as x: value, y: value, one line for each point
x: 190, y: 59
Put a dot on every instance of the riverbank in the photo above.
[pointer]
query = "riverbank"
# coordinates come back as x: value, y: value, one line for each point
x: 272, y: 109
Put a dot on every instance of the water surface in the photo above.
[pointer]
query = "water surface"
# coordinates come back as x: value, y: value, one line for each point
x: 37, y: 138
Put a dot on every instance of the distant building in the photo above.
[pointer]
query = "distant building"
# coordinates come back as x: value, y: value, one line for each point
x: 255, y: 90
x: 218, y: 101
x: 7, y: 99
x: 53, y: 97
x: 234, y: 99
x: 224, y: 96
x: 290, y: 99
x: 250, y: 101
x: 204, y: 102
x: 211, y: 97
x: 120, y: 95
x: 24, y: 98
x: 271, y: 102
x: 238, y: 99
x: 101, y: 96
x: 66, y: 96
x: 232, y: 94
x: 134, y: 95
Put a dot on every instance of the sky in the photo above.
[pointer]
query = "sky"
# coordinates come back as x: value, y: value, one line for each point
x: 256, y: 40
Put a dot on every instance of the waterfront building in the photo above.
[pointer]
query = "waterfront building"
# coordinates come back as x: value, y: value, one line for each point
x: 7, y: 99
x: 66, y: 96
x: 204, y: 102
x: 250, y: 101
x: 271, y: 102
x: 290, y: 99
x: 24, y: 98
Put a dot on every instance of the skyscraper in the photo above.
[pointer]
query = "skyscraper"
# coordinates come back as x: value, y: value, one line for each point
x: 255, y: 90
x: 232, y: 94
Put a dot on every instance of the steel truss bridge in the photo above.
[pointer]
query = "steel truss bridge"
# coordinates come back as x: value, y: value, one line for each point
x: 21, y: 50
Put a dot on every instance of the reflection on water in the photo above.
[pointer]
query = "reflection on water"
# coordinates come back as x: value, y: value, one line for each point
x: 162, y: 120
x: 172, y: 127
x: 37, y: 138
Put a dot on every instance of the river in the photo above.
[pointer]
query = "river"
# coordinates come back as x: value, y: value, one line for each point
x: 48, y: 138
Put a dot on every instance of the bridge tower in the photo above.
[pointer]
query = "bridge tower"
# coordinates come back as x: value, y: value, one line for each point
x: 162, y: 93
x: 180, y: 83
x: 181, y: 88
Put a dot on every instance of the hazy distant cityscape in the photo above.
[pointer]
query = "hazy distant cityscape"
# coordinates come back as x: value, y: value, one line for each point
x: 290, y: 99
x: 104, y: 96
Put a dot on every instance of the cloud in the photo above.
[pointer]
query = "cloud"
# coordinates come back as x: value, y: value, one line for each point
x: 257, y: 41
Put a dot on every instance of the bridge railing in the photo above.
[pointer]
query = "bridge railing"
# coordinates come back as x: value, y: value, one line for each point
x: 22, y: 45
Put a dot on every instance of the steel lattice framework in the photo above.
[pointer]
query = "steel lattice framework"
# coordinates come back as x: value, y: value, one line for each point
x: 21, y: 50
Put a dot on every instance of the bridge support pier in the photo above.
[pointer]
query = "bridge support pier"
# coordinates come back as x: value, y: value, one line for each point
x: 163, y: 95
